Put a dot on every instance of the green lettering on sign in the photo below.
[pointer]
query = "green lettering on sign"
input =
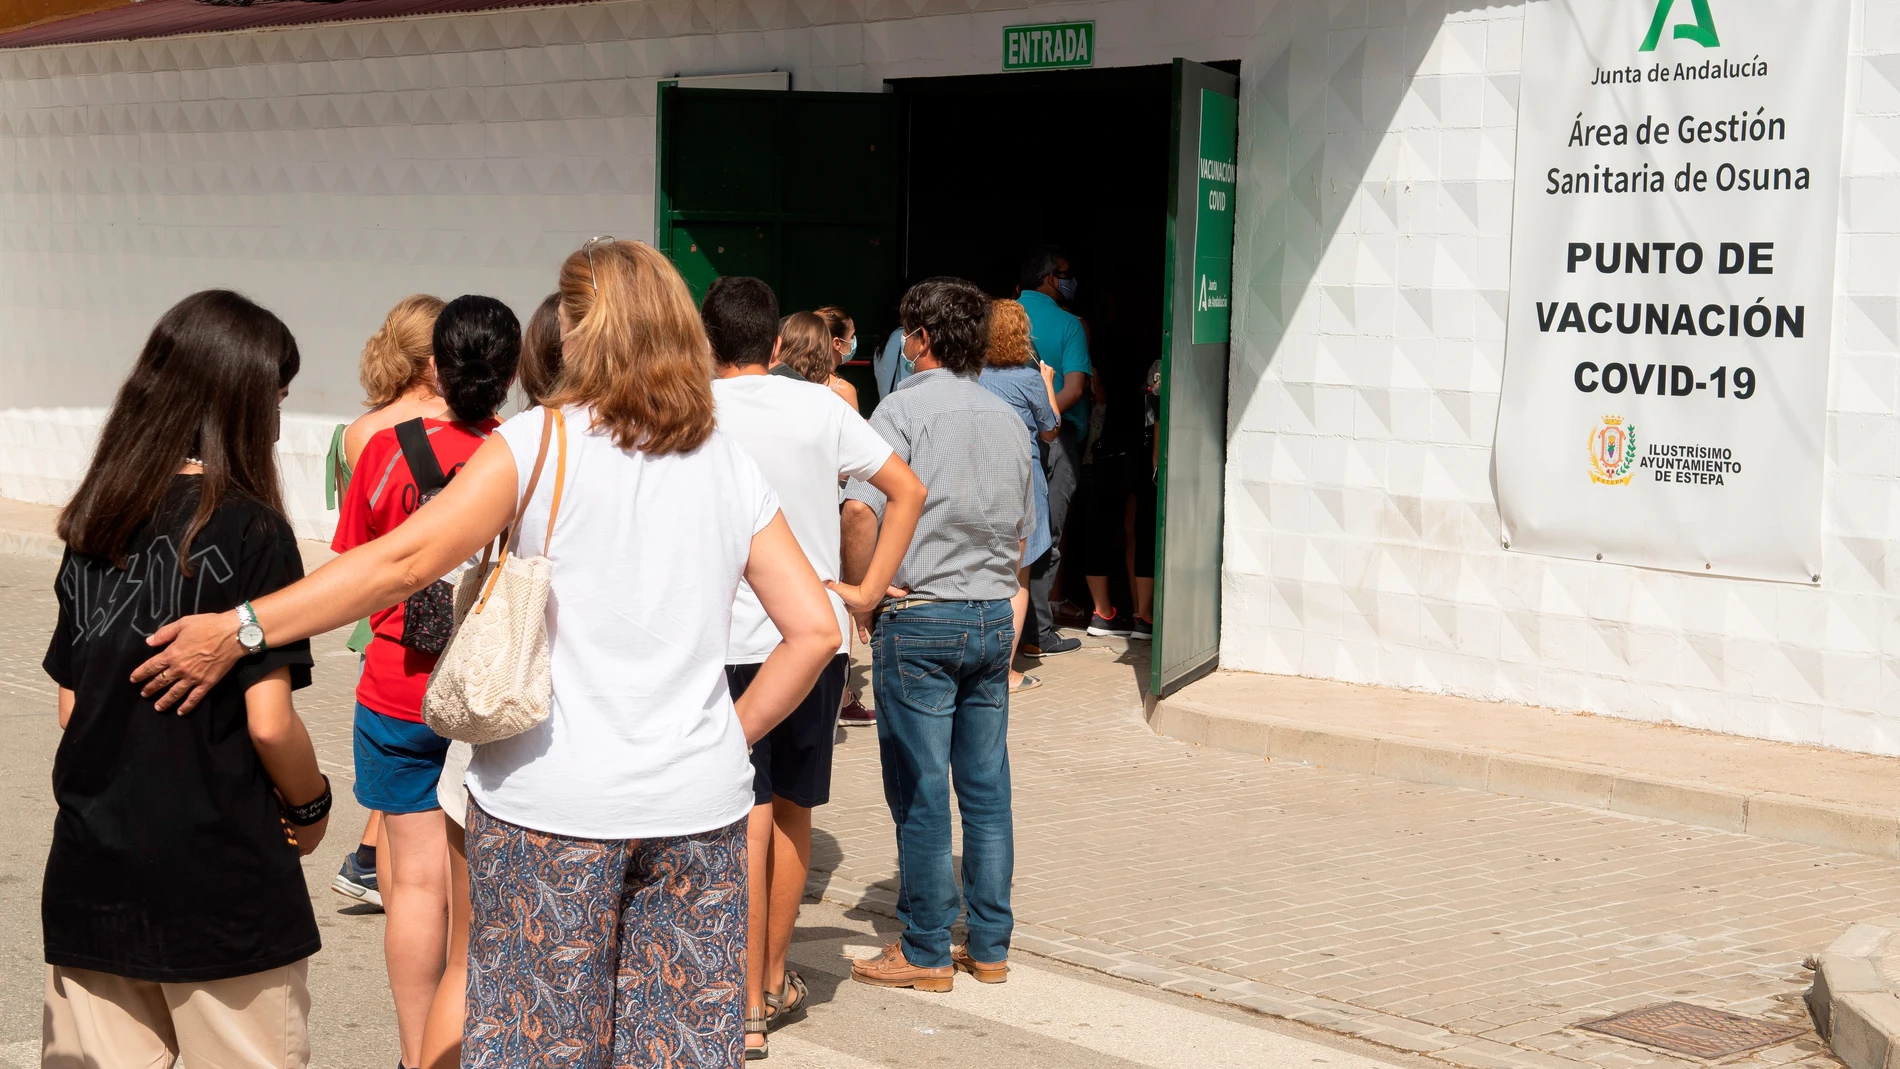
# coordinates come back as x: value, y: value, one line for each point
x: 1214, y: 218
x: 1049, y: 46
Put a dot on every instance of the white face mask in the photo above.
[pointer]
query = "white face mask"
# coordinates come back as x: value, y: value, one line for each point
x: 851, y: 350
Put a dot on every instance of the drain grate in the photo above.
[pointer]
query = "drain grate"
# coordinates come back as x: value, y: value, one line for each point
x: 1693, y: 1030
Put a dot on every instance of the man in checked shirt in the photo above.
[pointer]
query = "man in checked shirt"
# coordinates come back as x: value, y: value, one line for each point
x: 941, y: 652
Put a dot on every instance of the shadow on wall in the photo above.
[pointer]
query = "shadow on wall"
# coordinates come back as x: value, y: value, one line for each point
x: 1322, y: 90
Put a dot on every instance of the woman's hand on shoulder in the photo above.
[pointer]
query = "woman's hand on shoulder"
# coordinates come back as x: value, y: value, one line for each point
x: 196, y: 652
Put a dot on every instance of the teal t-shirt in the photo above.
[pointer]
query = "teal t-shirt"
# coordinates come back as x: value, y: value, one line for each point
x: 1062, y: 344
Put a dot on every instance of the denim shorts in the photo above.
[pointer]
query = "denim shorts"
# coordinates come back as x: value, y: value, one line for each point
x: 398, y: 763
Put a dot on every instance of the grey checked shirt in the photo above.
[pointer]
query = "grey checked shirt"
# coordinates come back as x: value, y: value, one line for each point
x: 969, y: 449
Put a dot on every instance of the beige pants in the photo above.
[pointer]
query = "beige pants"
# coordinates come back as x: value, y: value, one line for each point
x: 95, y: 1020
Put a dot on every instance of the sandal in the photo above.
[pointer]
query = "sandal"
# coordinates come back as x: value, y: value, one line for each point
x: 1029, y: 683
x: 786, y: 1008
x: 756, y: 1026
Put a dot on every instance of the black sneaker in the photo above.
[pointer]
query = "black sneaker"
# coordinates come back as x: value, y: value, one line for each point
x: 1112, y: 626
x: 355, y: 881
x: 1051, y: 644
x: 1140, y: 630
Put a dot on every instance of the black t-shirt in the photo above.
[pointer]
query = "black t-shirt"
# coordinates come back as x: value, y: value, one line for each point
x: 170, y: 862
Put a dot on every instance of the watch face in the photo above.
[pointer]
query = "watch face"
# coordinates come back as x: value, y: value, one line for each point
x: 250, y: 636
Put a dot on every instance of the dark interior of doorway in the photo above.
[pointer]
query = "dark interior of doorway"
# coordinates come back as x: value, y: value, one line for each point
x: 1000, y: 164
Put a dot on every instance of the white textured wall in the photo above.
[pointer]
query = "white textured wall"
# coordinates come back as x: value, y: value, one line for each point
x: 329, y: 170
x: 1363, y: 538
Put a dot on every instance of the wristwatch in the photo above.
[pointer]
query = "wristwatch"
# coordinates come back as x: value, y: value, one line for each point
x: 250, y: 633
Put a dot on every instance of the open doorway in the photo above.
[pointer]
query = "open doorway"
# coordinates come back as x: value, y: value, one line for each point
x: 847, y: 198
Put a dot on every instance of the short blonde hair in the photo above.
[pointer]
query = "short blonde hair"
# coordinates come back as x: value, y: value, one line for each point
x: 805, y: 346
x: 397, y: 356
x: 635, y: 351
x: 1009, y: 336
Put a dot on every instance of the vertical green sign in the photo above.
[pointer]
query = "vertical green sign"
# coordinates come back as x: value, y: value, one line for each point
x: 1214, y: 218
x: 1049, y: 46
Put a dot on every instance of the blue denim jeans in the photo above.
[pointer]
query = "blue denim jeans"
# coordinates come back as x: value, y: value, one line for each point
x: 942, y: 686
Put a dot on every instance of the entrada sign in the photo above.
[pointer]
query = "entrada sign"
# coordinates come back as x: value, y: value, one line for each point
x: 1049, y: 46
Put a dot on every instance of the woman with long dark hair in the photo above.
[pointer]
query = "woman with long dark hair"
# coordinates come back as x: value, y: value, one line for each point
x: 174, y: 909
x: 632, y: 796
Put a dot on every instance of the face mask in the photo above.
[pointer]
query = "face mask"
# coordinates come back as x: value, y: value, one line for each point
x: 851, y: 350
x: 1066, y: 287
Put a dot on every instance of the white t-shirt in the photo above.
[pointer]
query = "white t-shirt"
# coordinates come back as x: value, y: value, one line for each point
x: 805, y: 438
x: 640, y: 741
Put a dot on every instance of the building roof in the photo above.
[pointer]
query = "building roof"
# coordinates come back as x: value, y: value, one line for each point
x: 164, y: 18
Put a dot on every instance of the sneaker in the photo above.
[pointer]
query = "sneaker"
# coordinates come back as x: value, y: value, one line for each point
x: 1110, y: 626
x: 1141, y: 630
x: 355, y: 881
x: 854, y: 714
x: 985, y: 972
x: 1051, y: 644
x: 892, y: 969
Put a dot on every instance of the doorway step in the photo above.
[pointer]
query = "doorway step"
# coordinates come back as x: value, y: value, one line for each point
x: 1777, y: 790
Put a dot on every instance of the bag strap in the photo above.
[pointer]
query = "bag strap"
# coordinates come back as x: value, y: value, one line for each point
x: 423, y: 467
x: 560, y: 479
x: 550, y: 417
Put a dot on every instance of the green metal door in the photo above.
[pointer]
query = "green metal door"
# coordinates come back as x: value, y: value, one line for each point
x: 799, y: 189
x: 1193, y: 427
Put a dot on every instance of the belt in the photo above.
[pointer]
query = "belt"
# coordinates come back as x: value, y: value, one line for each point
x: 895, y: 604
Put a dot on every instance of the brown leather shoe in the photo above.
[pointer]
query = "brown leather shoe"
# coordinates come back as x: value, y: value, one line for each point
x: 891, y: 969
x: 985, y: 972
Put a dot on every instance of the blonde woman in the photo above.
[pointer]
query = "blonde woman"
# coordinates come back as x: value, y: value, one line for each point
x: 1012, y: 372
x: 397, y: 370
x: 633, y: 795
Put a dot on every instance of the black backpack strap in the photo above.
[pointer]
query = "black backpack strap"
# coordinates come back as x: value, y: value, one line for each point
x: 423, y: 467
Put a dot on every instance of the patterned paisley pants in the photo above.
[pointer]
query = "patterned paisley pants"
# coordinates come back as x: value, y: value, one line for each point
x: 604, y: 954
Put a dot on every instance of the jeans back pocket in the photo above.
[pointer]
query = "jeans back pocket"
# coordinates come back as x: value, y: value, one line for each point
x: 928, y: 670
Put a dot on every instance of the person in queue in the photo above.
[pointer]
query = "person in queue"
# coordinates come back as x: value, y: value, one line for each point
x: 1061, y: 341
x: 844, y: 346
x: 1012, y: 372
x: 633, y: 794
x: 536, y: 373
x: 174, y: 910
x: 806, y: 441
x: 397, y: 371
x: 941, y: 652
x: 476, y: 341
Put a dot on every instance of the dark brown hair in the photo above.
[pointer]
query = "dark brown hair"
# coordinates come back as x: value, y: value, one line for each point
x: 205, y: 386
x: 741, y: 318
x: 541, y: 350
x: 954, y: 315
x: 635, y: 351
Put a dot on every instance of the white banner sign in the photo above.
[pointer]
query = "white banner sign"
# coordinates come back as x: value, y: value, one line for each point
x: 1672, y: 281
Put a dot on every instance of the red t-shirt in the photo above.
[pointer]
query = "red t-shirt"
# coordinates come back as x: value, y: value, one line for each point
x: 382, y: 494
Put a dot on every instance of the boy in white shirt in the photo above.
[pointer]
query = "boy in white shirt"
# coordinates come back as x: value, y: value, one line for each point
x: 806, y: 440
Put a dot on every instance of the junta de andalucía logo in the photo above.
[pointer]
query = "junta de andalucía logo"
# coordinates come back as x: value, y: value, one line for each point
x: 1702, y: 33
x: 1612, y: 452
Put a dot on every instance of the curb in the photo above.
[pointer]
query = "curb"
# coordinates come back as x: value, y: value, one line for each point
x: 1342, y: 1018
x: 1790, y: 818
x: 1853, y: 1005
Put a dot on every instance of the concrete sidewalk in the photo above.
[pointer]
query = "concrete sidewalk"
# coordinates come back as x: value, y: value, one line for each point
x: 1777, y: 790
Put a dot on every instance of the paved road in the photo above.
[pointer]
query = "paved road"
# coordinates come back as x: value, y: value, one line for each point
x: 1049, y: 1015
